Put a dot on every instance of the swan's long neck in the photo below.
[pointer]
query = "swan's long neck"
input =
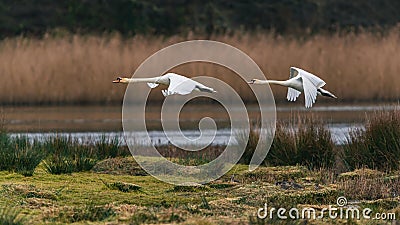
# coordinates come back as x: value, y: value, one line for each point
x: 279, y: 82
x: 143, y: 80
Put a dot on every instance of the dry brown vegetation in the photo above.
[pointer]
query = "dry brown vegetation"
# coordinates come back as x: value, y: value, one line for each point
x: 79, y: 69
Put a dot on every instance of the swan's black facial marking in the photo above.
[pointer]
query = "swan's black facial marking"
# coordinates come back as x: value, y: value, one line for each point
x: 117, y: 80
x: 252, y: 81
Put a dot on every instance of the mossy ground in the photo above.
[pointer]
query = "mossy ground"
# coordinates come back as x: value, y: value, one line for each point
x: 95, y: 198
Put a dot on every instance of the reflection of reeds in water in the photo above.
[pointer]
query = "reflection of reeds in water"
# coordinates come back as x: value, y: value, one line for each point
x: 79, y: 69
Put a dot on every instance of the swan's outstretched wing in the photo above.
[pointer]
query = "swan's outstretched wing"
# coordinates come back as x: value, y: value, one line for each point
x: 292, y: 94
x: 310, y: 92
x: 179, y: 85
x: 316, y: 81
x: 311, y: 83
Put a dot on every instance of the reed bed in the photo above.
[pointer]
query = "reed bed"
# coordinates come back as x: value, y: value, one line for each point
x: 79, y: 69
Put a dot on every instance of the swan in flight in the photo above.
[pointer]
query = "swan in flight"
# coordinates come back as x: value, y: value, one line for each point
x: 177, y: 84
x: 300, y: 81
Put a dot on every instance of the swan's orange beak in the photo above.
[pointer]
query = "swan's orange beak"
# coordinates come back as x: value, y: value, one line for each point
x: 118, y: 80
x: 251, y: 82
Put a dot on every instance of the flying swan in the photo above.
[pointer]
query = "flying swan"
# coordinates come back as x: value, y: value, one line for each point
x: 177, y: 84
x: 300, y: 81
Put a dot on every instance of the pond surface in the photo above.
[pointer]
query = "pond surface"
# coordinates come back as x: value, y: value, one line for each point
x: 93, y: 122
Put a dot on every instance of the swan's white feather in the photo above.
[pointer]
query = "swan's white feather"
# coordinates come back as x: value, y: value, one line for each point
x: 316, y: 81
x: 292, y: 94
x: 310, y: 92
x: 181, y: 85
x: 152, y: 85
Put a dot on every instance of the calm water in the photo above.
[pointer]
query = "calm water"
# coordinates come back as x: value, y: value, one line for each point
x: 92, y: 122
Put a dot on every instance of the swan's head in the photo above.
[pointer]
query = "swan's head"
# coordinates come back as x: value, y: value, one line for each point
x: 254, y: 81
x: 121, y: 80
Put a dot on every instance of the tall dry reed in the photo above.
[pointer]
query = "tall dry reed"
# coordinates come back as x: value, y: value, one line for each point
x: 79, y: 69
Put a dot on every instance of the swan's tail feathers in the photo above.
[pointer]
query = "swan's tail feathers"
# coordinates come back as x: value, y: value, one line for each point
x: 326, y: 93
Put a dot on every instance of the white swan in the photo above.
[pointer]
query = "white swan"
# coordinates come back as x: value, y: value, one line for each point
x: 177, y: 84
x: 300, y: 81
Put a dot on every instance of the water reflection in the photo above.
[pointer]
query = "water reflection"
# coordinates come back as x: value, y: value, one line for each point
x: 92, y: 122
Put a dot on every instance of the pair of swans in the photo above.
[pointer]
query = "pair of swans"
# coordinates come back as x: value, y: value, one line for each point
x: 299, y: 81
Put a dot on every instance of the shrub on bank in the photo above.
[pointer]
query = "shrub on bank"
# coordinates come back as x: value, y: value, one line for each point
x: 378, y: 145
x: 308, y: 143
x: 19, y: 154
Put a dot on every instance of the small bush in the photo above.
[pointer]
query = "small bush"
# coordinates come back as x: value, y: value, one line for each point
x: 6, y: 152
x: 108, y: 148
x: 57, y: 164
x: 308, y: 143
x: 68, y: 156
x: 315, y: 148
x: 253, y: 137
x: 283, y: 151
x: 27, y: 156
x: 377, y: 146
x: 19, y: 155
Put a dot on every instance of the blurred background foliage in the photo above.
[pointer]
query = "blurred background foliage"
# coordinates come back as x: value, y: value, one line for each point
x: 159, y: 17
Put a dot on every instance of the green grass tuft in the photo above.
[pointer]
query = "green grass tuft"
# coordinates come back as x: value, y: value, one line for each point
x: 377, y: 146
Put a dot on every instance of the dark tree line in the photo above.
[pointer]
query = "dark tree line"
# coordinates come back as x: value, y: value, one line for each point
x: 130, y: 17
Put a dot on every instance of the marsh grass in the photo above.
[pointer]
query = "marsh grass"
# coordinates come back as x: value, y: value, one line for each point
x: 191, y: 158
x: 89, y: 212
x: 65, y: 69
x: 143, y: 218
x: 364, y: 187
x: 252, y: 137
x: 378, y: 145
x: 67, y: 155
x: 122, y: 186
x: 19, y: 154
x: 11, y: 216
x: 28, y: 191
x: 109, y: 148
x: 315, y: 148
x: 303, y: 141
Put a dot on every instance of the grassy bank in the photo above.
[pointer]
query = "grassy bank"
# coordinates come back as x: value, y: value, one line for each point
x: 99, y: 198
x: 97, y: 183
x: 79, y: 69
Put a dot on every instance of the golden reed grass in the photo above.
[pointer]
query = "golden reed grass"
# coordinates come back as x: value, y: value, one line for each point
x: 79, y: 69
